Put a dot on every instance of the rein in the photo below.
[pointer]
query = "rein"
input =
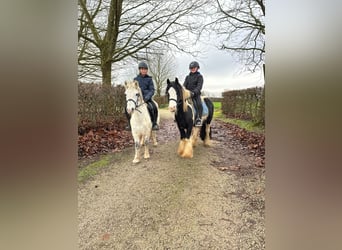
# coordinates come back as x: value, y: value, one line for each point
x: 136, y: 104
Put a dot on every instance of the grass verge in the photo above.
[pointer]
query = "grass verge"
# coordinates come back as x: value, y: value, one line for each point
x: 93, y: 168
x: 248, y: 125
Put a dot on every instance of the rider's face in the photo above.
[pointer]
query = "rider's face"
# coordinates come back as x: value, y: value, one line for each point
x: 143, y: 71
x: 193, y: 70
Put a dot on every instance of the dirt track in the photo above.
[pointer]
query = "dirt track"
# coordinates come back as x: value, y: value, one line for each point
x: 171, y: 203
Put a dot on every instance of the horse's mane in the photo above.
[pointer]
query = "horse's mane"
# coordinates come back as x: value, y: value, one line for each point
x: 183, y: 93
x: 186, y: 95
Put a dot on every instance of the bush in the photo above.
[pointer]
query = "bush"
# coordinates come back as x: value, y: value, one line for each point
x: 97, y: 103
x: 247, y: 104
x: 161, y: 100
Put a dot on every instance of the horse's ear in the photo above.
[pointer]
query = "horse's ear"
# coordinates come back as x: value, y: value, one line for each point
x: 136, y: 83
x: 176, y: 80
x: 126, y: 83
x: 168, y: 81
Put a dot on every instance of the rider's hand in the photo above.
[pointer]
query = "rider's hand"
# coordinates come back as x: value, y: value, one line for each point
x: 192, y: 94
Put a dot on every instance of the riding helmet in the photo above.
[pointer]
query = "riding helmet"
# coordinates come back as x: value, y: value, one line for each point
x: 142, y: 65
x: 194, y: 64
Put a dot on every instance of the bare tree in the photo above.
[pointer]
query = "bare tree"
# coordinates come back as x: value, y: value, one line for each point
x: 161, y: 67
x: 111, y: 31
x: 241, y: 24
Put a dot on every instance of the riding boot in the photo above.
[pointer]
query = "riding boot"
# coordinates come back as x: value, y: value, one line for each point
x: 150, y: 110
x: 154, y: 115
x: 199, y: 108
x: 128, y: 127
x: 155, y: 125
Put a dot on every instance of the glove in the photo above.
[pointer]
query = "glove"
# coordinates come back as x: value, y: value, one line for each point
x: 192, y: 94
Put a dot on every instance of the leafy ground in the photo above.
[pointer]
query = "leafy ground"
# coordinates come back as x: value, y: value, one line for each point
x: 111, y: 137
x: 214, y: 201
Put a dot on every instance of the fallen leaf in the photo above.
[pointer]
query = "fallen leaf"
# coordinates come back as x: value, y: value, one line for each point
x: 234, y: 168
x: 105, y: 236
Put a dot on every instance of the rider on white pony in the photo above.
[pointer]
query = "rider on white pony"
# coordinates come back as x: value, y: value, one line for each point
x: 147, y: 88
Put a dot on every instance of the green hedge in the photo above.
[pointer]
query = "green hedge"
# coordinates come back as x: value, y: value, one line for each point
x: 247, y: 104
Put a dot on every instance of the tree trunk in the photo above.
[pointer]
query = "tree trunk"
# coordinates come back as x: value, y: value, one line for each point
x: 158, y: 89
x: 106, y: 69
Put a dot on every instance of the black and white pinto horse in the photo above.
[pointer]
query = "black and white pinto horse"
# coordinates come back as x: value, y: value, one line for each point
x: 185, y: 117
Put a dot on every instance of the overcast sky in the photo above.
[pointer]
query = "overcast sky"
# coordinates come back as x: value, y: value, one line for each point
x: 219, y: 69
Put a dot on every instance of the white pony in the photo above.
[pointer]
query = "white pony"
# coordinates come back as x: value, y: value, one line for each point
x: 141, y: 123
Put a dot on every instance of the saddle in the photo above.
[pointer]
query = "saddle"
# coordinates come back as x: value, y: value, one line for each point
x: 205, y: 110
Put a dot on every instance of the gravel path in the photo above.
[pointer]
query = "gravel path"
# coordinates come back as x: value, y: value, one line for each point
x: 171, y: 203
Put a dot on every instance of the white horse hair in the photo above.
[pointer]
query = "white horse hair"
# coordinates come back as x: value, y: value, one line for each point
x: 141, y: 123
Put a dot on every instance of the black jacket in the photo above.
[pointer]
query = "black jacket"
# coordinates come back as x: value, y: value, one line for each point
x: 146, y: 85
x: 194, y: 83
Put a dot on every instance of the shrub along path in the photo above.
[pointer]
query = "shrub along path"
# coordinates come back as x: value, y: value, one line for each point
x: 214, y: 201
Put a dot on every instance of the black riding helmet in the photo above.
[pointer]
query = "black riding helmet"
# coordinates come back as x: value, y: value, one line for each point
x: 142, y: 65
x: 194, y: 64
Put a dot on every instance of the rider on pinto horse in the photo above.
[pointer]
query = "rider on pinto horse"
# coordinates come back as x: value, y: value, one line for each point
x: 194, y: 83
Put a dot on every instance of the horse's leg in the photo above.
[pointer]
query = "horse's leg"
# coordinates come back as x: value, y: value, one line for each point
x: 181, y: 143
x: 188, y: 149
x: 137, y: 146
x: 194, y: 135
x: 154, y: 138
x: 207, y: 135
x: 146, y: 142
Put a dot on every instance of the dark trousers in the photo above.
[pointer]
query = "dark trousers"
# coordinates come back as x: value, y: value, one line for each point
x: 198, y: 106
x: 153, y: 110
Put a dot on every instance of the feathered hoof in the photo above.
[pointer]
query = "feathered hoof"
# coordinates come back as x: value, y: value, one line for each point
x: 188, y: 150
x: 135, y: 161
x: 207, y: 143
x: 181, y: 147
x: 155, y: 144
x: 146, y: 156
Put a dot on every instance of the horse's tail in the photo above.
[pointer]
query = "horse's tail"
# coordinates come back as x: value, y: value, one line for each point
x: 207, y: 121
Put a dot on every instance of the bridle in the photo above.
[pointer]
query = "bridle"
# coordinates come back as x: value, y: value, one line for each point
x: 135, y: 103
x: 173, y: 99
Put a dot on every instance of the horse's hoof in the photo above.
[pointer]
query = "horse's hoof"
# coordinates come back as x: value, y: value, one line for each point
x: 189, y: 156
x: 147, y: 157
x: 155, y: 144
x: 135, y: 161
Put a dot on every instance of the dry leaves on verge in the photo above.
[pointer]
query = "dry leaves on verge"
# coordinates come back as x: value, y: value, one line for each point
x: 253, y: 142
x: 102, y: 138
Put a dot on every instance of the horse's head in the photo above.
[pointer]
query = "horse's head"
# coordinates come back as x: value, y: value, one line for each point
x: 174, y: 94
x: 133, y: 95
